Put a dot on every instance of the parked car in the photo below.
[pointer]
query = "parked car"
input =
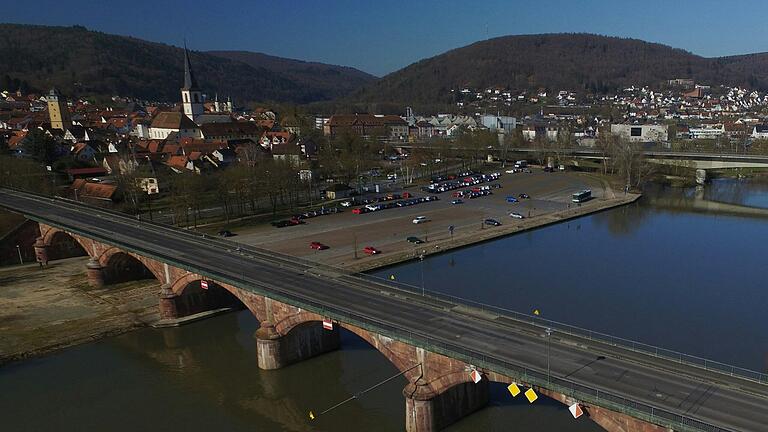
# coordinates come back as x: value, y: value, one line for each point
x: 548, y: 169
x: 370, y: 250
x: 225, y: 233
x: 346, y: 203
x: 492, y: 222
x: 511, y: 199
x: 359, y: 210
x: 516, y: 215
x: 318, y: 246
x: 406, y: 194
x: 420, y: 219
x: 281, y: 224
x: 457, y: 201
x: 524, y: 196
x: 414, y: 240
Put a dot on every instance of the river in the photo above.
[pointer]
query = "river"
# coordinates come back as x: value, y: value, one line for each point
x: 653, y: 271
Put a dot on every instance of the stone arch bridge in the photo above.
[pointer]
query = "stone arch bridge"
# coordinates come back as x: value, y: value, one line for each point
x: 436, y: 342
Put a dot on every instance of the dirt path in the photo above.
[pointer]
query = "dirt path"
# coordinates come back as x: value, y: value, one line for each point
x: 44, y: 310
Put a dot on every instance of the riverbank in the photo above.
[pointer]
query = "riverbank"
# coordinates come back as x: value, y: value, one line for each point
x: 54, y: 308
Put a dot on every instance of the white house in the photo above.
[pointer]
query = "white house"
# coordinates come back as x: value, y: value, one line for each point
x: 708, y: 131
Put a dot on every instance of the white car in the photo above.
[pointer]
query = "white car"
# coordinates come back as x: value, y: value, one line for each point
x: 420, y: 219
x: 372, y: 207
x: 517, y: 216
x: 346, y: 203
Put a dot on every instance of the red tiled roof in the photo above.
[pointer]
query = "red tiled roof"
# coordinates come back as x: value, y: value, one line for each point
x: 173, y: 120
x: 179, y: 162
x: 94, y: 190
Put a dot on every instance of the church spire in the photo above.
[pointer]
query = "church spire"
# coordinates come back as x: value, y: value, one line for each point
x: 190, y: 83
x: 191, y: 97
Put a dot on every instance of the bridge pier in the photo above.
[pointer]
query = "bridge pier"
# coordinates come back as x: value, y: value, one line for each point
x: 95, y: 273
x: 41, y: 250
x: 701, y: 176
x: 168, y: 308
x: 429, y: 412
x: 304, y: 341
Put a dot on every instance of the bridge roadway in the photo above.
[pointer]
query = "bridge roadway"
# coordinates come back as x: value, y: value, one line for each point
x: 728, y: 403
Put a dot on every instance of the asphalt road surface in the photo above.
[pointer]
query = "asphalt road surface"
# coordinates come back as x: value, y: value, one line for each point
x: 725, y: 402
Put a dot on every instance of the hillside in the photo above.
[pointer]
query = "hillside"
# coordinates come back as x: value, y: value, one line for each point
x: 332, y: 81
x: 83, y: 62
x: 559, y: 61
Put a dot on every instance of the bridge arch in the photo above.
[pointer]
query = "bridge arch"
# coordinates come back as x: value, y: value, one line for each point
x: 61, y: 244
x: 192, y: 298
x: 120, y: 266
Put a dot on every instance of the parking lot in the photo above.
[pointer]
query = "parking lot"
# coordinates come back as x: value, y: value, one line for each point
x: 387, y: 229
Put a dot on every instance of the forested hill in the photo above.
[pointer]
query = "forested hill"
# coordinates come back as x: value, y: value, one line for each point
x: 331, y: 80
x: 83, y: 62
x: 559, y: 62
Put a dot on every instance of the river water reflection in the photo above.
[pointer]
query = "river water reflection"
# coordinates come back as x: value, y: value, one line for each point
x: 657, y: 273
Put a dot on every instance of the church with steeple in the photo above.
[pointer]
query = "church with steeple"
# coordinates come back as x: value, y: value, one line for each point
x: 192, y: 121
x: 191, y: 96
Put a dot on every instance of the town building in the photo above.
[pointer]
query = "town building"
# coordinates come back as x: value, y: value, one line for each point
x: 760, y: 132
x: 500, y: 124
x: 641, y: 132
x: 166, y: 123
x: 58, y: 112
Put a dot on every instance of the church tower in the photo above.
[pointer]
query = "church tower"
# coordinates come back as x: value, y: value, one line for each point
x: 58, y: 111
x: 191, y: 97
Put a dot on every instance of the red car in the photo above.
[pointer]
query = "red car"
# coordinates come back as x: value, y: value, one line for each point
x: 406, y: 195
x: 318, y: 246
x: 370, y: 250
x: 357, y: 210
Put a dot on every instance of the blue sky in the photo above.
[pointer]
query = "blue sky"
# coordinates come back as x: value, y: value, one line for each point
x: 382, y: 36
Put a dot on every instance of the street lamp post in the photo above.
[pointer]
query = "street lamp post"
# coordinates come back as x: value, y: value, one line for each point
x: 549, y: 335
x: 421, y: 264
x: 18, y: 249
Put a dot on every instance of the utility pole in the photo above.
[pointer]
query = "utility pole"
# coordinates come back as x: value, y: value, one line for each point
x: 354, y: 236
x: 21, y: 260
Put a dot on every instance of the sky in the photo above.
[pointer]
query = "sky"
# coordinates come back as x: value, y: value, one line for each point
x: 382, y: 36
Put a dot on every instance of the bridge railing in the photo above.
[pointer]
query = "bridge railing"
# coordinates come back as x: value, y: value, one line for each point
x: 543, y: 323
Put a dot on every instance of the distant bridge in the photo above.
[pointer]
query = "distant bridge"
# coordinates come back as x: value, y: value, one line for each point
x: 695, y: 160
x: 435, y: 340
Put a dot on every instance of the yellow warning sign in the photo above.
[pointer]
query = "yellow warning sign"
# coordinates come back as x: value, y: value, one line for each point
x: 514, y: 390
x: 536, y: 312
x: 531, y: 395
x: 392, y: 277
x: 311, y: 415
